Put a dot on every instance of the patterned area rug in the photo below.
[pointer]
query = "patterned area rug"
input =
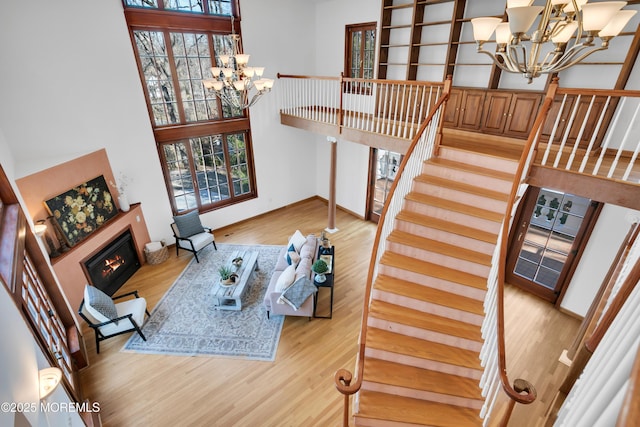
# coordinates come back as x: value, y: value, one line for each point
x: 185, y: 322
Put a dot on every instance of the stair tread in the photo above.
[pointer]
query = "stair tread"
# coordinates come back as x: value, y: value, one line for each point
x: 448, y: 226
x: 422, y: 349
x: 455, y: 206
x: 433, y: 270
x: 418, y: 412
x: 411, y: 377
x: 461, y: 186
x: 425, y: 321
x: 437, y: 246
x: 479, y: 170
x: 424, y: 293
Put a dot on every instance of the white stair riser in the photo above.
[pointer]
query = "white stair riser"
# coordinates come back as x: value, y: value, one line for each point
x: 428, y: 307
x: 439, y: 259
x: 478, y: 159
x: 453, y: 216
x: 460, y: 196
x: 433, y: 282
x: 446, y: 237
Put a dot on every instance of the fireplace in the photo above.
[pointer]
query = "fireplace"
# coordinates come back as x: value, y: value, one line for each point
x: 114, y: 264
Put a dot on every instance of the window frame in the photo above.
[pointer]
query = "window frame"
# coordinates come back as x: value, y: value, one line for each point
x: 225, y: 202
x: 142, y: 19
x: 348, y: 51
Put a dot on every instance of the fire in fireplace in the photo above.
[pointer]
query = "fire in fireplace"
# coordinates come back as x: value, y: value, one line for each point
x: 113, y: 265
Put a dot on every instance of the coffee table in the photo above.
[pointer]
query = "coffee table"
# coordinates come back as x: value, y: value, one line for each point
x: 230, y: 297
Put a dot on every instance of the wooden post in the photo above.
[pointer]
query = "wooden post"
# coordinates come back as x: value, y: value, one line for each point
x: 331, y: 227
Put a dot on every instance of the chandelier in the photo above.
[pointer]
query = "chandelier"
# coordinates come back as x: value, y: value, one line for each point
x: 233, y: 81
x: 552, y: 46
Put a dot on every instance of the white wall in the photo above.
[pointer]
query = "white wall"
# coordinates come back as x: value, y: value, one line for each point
x: 610, y: 230
x: 331, y: 17
x: 21, y: 359
x: 70, y: 86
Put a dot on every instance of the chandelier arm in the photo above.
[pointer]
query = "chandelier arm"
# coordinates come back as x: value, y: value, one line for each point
x: 513, y: 54
x: 507, y: 64
x: 580, y: 58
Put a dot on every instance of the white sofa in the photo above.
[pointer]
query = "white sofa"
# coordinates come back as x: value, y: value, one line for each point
x: 272, y: 299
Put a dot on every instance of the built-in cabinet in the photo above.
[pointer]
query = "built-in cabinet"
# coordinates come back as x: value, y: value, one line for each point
x: 582, y: 114
x: 498, y: 112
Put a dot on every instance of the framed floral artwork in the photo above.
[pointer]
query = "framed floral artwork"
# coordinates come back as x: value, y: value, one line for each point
x: 82, y: 210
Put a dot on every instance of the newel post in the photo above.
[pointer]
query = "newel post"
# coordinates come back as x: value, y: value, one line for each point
x: 340, y: 110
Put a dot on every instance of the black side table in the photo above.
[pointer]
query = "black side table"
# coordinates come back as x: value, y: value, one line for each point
x: 328, y: 283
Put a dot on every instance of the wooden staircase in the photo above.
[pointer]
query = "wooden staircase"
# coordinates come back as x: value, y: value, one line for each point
x: 423, y: 337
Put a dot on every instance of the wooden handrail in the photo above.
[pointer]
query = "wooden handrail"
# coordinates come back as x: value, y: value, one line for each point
x: 630, y: 411
x: 344, y: 380
x: 598, y: 92
x: 361, y: 80
x: 520, y: 386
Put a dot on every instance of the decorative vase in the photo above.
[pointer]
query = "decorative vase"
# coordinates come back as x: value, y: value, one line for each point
x: 123, y: 201
x: 320, y: 278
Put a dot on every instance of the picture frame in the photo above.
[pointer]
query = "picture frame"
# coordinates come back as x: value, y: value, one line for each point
x: 80, y: 211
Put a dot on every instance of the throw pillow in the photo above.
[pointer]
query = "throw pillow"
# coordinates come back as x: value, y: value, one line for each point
x: 189, y: 224
x: 286, y: 278
x: 296, y: 294
x: 290, y: 248
x: 98, y: 301
x: 293, y: 258
x: 298, y: 240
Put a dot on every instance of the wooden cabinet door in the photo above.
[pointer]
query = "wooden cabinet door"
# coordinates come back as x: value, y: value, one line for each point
x: 552, y: 117
x: 578, y: 109
x: 496, y: 109
x: 471, y: 109
x: 588, y: 122
x: 522, y: 113
x: 452, y: 112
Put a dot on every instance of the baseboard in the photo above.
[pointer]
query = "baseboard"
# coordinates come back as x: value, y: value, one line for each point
x: 570, y: 313
x: 220, y: 230
x: 343, y: 209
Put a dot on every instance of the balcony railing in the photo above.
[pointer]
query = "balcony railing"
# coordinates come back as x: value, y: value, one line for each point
x: 383, y: 107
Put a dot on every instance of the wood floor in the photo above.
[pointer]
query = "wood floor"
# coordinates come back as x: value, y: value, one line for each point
x: 297, y: 389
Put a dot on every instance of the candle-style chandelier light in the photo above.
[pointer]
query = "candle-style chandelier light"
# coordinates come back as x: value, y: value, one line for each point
x: 234, y: 82
x: 564, y: 36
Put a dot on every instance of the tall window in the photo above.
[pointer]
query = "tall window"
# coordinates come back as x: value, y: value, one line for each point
x: 204, y: 144
x: 360, y: 50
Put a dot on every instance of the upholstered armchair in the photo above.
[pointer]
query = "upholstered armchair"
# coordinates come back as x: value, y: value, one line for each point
x: 190, y: 234
x: 109, y: 319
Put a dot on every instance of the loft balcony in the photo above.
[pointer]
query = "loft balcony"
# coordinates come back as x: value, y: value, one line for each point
x: 588, y: 145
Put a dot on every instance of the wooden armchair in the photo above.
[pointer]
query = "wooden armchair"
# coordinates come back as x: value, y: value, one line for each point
x: 125, y: 316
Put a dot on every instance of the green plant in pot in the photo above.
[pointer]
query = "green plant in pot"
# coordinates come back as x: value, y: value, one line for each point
x: 320, y: 267
x: 227, y: 276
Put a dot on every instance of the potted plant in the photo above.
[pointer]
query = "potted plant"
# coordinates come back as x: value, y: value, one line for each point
x: 227, y: 276
x: 320, y: 267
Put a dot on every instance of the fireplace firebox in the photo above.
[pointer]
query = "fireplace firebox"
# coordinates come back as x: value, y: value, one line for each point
x: 114, y: 264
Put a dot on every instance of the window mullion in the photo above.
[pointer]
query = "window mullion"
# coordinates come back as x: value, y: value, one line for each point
x: 194, y: 176
x: 212, y: 54
x: 174, y: 77
x: 227, y: 162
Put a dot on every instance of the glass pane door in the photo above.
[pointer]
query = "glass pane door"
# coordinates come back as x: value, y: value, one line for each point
x: 549, y: 238
x: 385, y: 164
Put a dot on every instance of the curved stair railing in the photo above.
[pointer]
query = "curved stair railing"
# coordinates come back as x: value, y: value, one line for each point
x: 493, y: 354
x: 422, y: 148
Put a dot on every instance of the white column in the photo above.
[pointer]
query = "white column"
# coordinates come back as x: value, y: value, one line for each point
x: 331, y: 227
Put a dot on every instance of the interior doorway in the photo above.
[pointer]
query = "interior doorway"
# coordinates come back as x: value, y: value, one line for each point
x: 552, y: 230
x: 383, y: 167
